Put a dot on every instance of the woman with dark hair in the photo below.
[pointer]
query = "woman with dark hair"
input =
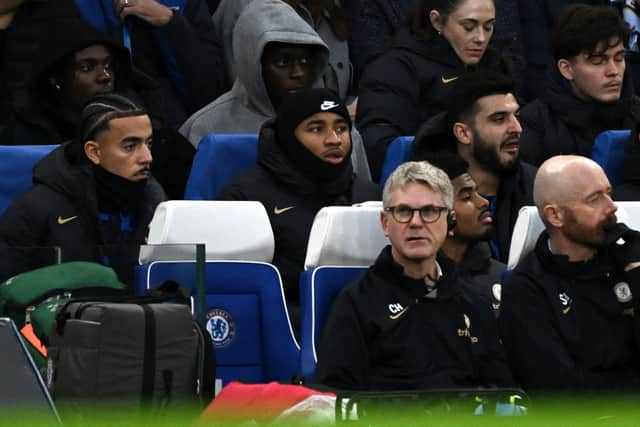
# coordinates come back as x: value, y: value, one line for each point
x: 412, y: 81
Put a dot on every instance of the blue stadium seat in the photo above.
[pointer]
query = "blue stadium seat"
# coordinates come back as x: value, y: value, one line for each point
x: 344, y: 241
x: 398, y: 152
x: 318, y: 288
x: 219, y: 159
x: 608, y: 150
x: 16, y: 169
x: 244, y: 299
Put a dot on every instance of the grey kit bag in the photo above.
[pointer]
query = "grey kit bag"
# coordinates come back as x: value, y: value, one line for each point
x: 136, y: 351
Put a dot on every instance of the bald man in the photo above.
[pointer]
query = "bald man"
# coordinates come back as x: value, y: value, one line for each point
x: 568, y: 309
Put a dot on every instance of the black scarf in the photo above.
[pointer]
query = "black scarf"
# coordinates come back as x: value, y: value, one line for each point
x: 115, y: 193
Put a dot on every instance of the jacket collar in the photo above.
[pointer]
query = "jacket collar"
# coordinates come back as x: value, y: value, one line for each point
x: 447, y: 285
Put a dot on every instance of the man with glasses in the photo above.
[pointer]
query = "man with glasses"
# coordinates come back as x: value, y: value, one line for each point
x: 409, y: 323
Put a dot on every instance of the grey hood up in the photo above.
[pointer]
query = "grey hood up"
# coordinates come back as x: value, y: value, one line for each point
x: 247, y: 105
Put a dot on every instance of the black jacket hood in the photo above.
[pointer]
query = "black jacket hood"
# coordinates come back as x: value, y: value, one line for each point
x: 67, y: 171
x: 71, y: 36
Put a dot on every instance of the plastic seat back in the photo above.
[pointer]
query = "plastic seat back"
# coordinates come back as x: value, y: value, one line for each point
x: 608, y: 150
x: 219, y: 159
x: 398, y: 152
x: 16, y: 169
x: 344, y: 241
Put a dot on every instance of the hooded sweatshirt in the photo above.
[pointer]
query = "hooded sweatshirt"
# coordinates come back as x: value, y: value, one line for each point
x: 247, y: 105
x: 337, y: 76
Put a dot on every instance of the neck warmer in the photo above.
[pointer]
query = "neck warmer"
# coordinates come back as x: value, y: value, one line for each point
x: 115, y: 193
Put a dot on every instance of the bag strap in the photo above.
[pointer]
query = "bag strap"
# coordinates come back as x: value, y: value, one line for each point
x: 149, y: 359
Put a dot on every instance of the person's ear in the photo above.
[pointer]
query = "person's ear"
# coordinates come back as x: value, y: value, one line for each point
x: 451, y: 222
x: 436, y: 20
x: 565, y: 68
x: 54, y: 83
x: 384, y: 220
x: 92, y: 151
x: 462, y: 132
x: 553, y: 215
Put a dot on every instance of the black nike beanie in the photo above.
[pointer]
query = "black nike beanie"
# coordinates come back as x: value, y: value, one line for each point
x: 294, y: 109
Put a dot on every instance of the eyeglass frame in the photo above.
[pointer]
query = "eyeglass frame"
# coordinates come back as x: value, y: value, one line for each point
x: 439, y: 210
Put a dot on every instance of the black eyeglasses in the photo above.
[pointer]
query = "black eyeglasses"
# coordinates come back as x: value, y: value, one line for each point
x: 404, y: 214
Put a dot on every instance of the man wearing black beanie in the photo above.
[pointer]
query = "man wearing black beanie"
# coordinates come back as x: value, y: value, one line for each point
x: 303, y: 165
x: 93, y: 197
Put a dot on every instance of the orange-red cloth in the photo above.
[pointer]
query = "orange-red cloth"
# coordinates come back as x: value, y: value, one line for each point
x: 261, y: 402
x: 27, y: 332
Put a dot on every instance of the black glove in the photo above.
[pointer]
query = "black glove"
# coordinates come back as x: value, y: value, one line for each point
x: 627, y: 250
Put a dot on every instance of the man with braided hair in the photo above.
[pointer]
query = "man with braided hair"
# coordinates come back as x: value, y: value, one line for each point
x: 93, y: 197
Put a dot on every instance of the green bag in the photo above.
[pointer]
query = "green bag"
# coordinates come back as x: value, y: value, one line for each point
x: 35, y: 296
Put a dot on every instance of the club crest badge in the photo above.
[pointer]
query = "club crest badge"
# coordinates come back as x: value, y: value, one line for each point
x: 623, y: 292
x: 221, y: 326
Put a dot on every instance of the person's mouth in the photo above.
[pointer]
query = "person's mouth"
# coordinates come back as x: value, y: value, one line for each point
x: 294, y: 89
x: 613, y: 86
x: 475, y: 52
x: 143, y: 173
x: 334, y: 156
x: 416, y: 239
x: 485, y: 217
x: 511, y: 145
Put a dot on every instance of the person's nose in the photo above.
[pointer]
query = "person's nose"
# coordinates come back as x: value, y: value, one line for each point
x: 297, y: 70
x: 481, y: 202
x: 105, y: 74
x: 481, y: 35
x: 144, y: 154
x: 611, y: 205
x: 514, y: 124
x: 416, y: 220
x: 333, y: 137
x: 614, y: 68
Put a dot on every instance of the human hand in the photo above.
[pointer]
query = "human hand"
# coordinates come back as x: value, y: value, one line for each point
x: 624, y: 244
x: 151, y: 11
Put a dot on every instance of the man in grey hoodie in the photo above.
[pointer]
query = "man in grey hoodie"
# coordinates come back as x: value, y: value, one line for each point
x: 264, y: 37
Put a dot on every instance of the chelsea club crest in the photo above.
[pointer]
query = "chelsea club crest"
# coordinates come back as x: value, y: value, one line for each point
x: 221, y: 327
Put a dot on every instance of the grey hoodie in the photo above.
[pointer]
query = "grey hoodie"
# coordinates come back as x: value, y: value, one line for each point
x: 247, y: 105
x: 338, y: 75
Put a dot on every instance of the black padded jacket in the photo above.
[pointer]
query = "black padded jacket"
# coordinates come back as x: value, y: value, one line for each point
x: 385, y: 332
